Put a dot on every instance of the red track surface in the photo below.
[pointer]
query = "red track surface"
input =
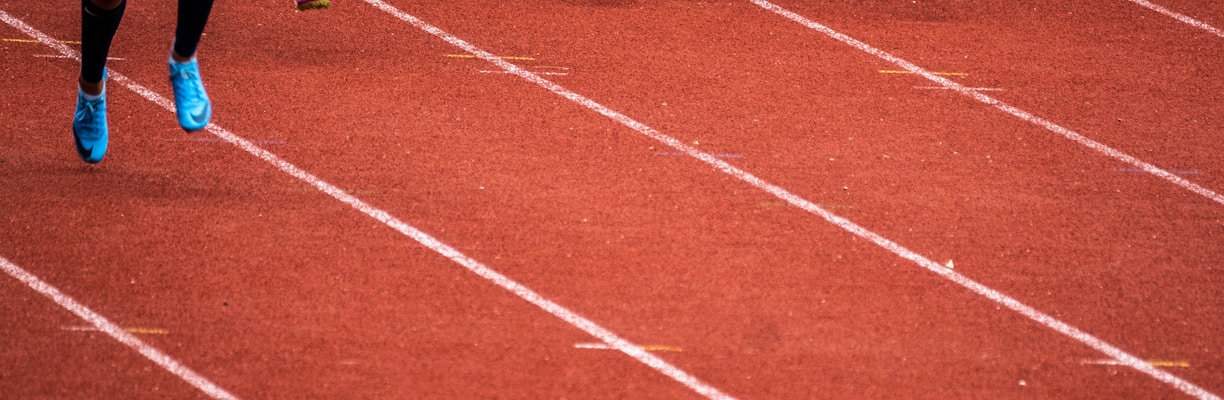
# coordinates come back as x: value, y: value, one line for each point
x: 272, y: 289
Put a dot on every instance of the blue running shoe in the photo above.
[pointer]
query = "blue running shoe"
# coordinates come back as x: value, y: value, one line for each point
x: 89, y: 131
x: 190, y: 102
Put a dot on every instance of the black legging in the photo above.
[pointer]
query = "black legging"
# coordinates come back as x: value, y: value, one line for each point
x: 98, y: 28
x: 192, y: 15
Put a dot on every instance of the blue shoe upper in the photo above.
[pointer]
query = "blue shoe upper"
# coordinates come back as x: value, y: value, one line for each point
x: 89, y: 130
x: 190, y: 101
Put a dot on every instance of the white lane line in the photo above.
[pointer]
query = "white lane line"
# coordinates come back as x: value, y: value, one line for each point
x: 425, y: 239
x: 976, y: 89
x: 1154, y: 363
x: 485, y: 71
x: 104, y: 325
x: 143, y: 331
x: 1180, y: 17
x: 66, y: 57
x: 795, y: 200
x: 647, y: 347
x: 1024, y: 115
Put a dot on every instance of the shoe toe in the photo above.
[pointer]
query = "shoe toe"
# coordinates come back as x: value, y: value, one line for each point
x: 91, y: 151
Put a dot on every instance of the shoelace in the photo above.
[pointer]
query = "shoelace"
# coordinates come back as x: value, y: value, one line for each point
x: 187, y: 78
x: 87, y: 115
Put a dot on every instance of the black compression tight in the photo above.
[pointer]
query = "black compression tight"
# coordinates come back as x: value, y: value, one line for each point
x: 192, y: 15
x: 98, y: 28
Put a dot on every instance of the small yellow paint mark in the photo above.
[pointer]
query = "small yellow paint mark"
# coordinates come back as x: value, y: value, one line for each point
x: 136, y: 330
x: 512, y: 58
x: 656, y: 347
x: 950, y: 265
x: 1173, y: 364
x: 901, y: 72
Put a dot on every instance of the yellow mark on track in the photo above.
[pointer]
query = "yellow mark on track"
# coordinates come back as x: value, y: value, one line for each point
x: 899, y: 72
x: 143, y: 331
x: 648, y: 347
x: 35, y: 41
x: 512, y: 58
x: 1177, y: 364
x: 655, y: 347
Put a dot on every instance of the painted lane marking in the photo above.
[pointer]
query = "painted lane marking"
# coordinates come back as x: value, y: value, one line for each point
x: 1032, y: 313
x: 647, y: 347
x: 512, y: 58
x: 602, y: 334
x: 1176, y: 171
x: 104, y: 325
x: 523, y: 292
x: 1154, y: 363
x: 779, y: 192
x: 1180, y: 17
x: 15, y: 40
x: 976, y: 89
x: 682, y: 154
x: 550, y: 73
x: 1023, y: 115
x: 219, y: 140
x: 66, y: 57
x: 538, y: 69
x: 776, y: 204
x: 143, y: 331
x: 901, y: 72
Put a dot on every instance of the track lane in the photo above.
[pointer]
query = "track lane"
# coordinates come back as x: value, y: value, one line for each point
x: 638, y: 101
x: 296, y: 321
x: 487, y: 223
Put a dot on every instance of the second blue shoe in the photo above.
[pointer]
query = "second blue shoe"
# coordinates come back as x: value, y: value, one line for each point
x: 89, y: 130
x: 191, y: 103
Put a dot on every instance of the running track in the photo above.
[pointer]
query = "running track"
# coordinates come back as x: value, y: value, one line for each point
x: 268, y: 287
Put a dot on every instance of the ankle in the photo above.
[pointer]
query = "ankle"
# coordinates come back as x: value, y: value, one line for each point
x: 91, y: 88
x: 174, y: 57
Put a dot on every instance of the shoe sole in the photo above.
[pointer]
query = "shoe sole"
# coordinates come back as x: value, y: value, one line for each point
x: 313, y: 5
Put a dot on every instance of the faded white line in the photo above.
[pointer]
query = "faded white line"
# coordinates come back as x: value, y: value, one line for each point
x: 1180, y: 17
x: 779, y: 192
x: 648, y: 347
x: 485, y: 71
x: 428, y: 241
x: 1024, y: 115
x: 143, y: 331
x: 70, y: 58
x: 97, y: 321
x: 976, y: 89
x: 1154, y: 363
